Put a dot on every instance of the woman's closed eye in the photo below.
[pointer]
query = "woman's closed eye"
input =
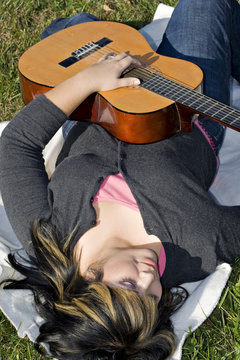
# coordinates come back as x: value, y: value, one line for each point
x: 131, y: 285
x: 128, y: 284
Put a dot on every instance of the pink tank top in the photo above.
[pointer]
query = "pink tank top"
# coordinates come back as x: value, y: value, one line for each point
x: 115, y: 189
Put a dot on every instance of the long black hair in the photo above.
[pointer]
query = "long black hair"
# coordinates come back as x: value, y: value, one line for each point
x: 87, y: 319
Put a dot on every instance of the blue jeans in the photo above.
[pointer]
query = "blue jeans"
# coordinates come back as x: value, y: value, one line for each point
x: 204, y: 32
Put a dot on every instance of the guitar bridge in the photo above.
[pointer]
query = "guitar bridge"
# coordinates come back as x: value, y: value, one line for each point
x: 84, y: 51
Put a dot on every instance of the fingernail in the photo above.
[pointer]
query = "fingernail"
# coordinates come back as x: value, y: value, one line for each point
x: 136, y: 82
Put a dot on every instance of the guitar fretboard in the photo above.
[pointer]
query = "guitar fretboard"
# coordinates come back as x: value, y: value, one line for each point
x: 179, y: 93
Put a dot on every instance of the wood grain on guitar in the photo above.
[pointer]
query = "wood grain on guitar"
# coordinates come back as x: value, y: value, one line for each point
x: 162, y: 105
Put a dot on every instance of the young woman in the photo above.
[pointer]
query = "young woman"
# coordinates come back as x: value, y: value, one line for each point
x: 118, y: 224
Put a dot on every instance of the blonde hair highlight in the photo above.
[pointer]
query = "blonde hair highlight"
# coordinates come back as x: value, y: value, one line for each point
x: 139, y: 314
x: 125, y: 324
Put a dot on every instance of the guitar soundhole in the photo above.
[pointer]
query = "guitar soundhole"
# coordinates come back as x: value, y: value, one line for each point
x: 142, y: 74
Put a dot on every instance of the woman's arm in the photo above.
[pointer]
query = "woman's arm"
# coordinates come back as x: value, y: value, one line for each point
x: 105, y: 75
x: 23, y: 179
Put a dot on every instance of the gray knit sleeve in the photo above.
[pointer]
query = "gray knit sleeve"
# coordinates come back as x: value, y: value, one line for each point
x: 23, y: 179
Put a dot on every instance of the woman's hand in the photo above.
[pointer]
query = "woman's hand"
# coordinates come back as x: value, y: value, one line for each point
x: 105, y: 75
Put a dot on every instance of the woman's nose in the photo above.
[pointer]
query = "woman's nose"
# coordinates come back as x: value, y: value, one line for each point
x: 146, y: 279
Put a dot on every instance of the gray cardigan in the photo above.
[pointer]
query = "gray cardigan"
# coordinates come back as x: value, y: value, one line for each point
x: 169, y: 180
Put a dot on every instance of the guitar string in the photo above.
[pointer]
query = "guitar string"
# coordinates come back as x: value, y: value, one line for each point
x: 189, y: 91
x: 194, y: 96
x: 158, y: 79
x: 152, y: 69
x: 226, y: 110
x: 229, y: 115
x: 148, y: 70
x: 201, y: 102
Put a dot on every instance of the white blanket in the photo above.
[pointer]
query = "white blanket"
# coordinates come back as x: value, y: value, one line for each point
x: 18, y: 306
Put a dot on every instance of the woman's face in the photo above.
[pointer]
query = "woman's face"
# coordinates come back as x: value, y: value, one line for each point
x: 134, y: 269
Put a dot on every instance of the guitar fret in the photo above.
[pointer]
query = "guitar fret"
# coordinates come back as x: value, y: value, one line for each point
x: 217, y: 111
x: 225, y: 114
x: 192, y: 99
x: 235, y: 122
x: 203, y: 105
x: 196, y: 104
x: 182, y: 96
x: 221, y: 114
x: 169, y: 93
x: 229, y: 113
x: 183, y: 99
x: 165, y: 89
x: 211, y: 110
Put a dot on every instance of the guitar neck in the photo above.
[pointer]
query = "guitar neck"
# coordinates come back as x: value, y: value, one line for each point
x: 192, y: 99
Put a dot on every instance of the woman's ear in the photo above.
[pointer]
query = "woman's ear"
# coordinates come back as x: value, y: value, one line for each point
x: 90, y: 275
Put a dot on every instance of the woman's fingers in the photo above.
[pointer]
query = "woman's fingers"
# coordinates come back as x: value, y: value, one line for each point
x: 124, y: 58
x: 129, y: 82
x: 106, y: 74
x: 126, y: 61
x: 106, y: 56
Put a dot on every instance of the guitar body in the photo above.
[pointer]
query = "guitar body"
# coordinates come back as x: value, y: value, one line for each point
x: 136, y: 114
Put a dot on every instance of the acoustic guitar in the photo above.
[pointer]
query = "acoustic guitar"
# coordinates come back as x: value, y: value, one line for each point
x: 164, y: 103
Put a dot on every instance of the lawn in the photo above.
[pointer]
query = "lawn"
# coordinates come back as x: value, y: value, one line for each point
x: 22, y: 21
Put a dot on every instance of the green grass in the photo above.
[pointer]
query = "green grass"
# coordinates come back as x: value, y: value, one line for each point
x: 21, y: 22
x: 12, y: 347
x: 219, y: 337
